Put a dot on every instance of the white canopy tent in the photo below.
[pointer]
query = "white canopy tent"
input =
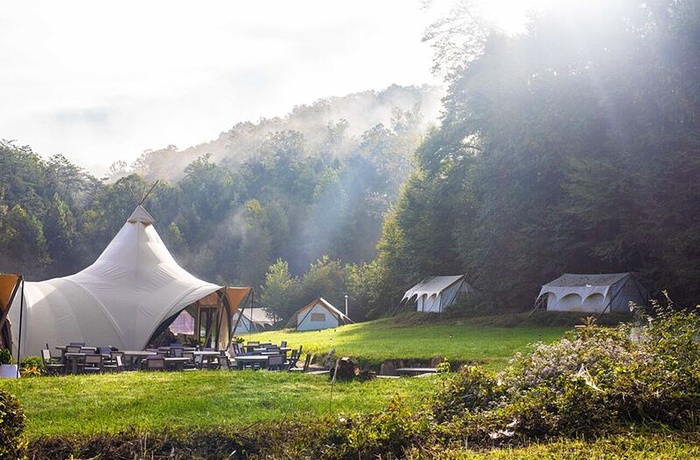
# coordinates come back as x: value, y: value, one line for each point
x: 592, y: 293
x: 435, y: 293
x: 120, y: 300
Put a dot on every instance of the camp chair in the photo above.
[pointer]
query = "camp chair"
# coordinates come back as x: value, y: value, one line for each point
x: 52, y: 365
x: 275, y: 362
x: 92, y: 363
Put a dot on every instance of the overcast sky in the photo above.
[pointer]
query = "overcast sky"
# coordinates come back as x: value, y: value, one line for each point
x: 103, y: 81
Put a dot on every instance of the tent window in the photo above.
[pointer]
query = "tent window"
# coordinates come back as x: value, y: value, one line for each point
x: 318, y: 317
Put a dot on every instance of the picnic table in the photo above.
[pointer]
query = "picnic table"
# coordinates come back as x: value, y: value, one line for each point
x: 132, y: 358
x: 251, y: 360
x: 174, y: 362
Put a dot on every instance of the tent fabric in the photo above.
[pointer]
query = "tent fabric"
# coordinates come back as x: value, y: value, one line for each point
x: 119, y: 300
x: 592, y: 293
x: 317, y: 315
x: 252, y: 320
x: 435, y: 293
x: 9, y: 285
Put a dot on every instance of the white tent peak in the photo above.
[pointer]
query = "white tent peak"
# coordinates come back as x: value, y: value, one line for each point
x: 141, y: 215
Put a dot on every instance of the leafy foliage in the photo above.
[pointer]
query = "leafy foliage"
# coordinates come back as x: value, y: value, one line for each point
x: 569, y: 148
x: 12, y: 446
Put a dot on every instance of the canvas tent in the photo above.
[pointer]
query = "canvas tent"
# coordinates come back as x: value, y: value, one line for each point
x: 252, y: 320
x: 435, y: 293
x: 319, y: 314
x: 133, y: 291
x: 592, y: 293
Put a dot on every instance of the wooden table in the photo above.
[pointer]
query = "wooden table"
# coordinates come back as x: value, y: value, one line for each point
x: 131, y: 355
x: 251, y: 360
x: 177, y: 363
x: 73, y: 358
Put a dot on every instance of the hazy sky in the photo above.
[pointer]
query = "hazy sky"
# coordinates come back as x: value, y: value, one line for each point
x: 102, y: 81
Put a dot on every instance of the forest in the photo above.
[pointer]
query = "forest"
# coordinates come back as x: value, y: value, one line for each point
x: 572, y: 147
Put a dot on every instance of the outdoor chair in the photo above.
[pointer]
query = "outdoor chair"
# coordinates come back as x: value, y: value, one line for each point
x: 283, y: 344
x: 52, y: 365
x: 155, y: 363
x: 73, y: 349
x: 275, y: 362
x: 189, y: 365
x: 92, y: 363
x: 224, y: 363
x: 307, y: 362
x: 293, y: 358
x: 116, y: 364
x: 177, y: 352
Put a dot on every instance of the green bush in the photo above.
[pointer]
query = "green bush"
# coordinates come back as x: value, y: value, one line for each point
x: 32, y: 366
x: 593, y: 380
x: 12, y: 424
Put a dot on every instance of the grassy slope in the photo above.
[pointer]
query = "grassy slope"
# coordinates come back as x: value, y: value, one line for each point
x: 458, y: 341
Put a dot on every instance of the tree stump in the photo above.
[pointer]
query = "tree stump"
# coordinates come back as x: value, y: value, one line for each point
x: 345, y: 369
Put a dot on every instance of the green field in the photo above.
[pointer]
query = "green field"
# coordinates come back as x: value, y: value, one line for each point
x: 460, y: 341
x: 151, y: 401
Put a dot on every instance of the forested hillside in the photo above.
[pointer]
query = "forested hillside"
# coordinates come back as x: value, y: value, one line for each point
x: 572, y: 148
x: 298, y: 188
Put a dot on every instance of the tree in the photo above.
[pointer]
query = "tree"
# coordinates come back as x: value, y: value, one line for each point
x: 280, y: 291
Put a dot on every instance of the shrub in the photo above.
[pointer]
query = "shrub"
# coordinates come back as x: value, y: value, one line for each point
x: 32, y: 366
x: 11, y: 427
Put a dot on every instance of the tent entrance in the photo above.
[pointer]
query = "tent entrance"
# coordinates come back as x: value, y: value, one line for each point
x: 213, y: 317
x: 9, y: 286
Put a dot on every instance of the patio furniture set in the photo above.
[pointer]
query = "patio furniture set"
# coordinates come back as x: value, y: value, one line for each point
x: 77, y: 358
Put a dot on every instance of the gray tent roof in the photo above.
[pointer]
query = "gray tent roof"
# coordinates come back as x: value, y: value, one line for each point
x: 433, y: 285
x: 574, y: 280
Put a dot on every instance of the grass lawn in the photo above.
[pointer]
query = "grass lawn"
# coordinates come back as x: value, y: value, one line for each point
x: 152, y: 401
x: 458, y: 341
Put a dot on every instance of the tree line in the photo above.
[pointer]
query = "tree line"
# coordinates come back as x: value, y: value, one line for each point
x: 572, y: 147
x: 311, y: 199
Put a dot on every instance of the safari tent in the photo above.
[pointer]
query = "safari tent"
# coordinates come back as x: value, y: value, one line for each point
x: 435, y: 293
x: 252, y: 320
x: 605, y: 293
x: 130, y: 294
x: 319, y: 314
